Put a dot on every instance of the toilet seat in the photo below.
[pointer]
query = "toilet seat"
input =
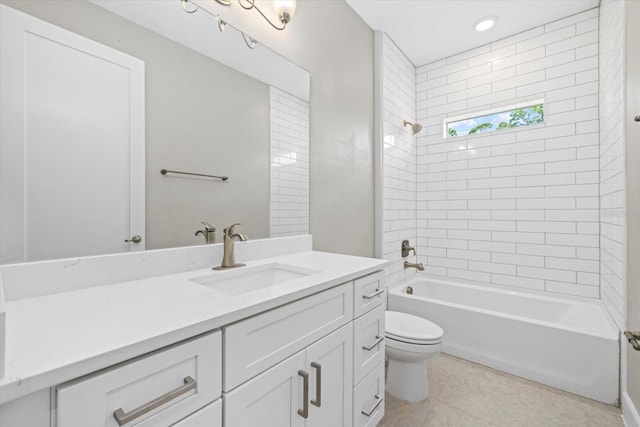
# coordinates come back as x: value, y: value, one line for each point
x: 410, y: 329
x: 414, y: 342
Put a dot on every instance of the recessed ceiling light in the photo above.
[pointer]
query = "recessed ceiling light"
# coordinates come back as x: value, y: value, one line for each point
x: 486, y: 23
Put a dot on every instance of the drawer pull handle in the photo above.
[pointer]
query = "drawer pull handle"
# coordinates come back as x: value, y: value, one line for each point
x: 375, y: 344
x: 318, y: 401
x: 368, y: 414
x: 373, y: 295
x: 126, y: 417
x: 304, y: 412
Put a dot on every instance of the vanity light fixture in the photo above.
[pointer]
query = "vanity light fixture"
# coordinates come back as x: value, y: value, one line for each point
x: 249, y: 41
x: 284, y: 10
x: 486, y: 23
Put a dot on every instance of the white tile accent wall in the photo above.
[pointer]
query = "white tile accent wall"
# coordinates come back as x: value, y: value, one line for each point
x: 518, y: 207
x: 289, y: 210
x: 612, y: 157
x: 399, y: 151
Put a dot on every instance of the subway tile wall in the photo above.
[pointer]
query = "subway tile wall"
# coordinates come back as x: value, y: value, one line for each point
x: 399, y: 151
x: 612, y: 158
x: 289, y: 207
x: 517, y: 207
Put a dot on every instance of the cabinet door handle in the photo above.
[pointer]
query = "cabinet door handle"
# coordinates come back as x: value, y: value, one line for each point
x: 373, y: 295
x: 379, y: 339
x: 126, y: 417
x: 368, y: 414
x: 318, y: 401
x: 304, y: 412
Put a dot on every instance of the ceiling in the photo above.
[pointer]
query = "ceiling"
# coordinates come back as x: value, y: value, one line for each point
x: 429, y: 30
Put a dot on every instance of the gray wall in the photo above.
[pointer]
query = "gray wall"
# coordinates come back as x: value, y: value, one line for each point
x: 336, y: 47
x: 194, y: 122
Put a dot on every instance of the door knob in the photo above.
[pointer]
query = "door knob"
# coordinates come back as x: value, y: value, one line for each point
x: 637, y: 119
x: 134, y: 239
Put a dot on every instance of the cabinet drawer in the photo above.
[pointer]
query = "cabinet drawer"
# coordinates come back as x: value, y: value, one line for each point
x: 368, y: 399
x: 368, y: 292
x: 159, y: 389
x: 209, y: 416
x: 255, y: 344
x: 367, y: 331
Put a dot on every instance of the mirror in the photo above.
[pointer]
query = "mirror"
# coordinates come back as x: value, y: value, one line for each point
x: 211, y: 105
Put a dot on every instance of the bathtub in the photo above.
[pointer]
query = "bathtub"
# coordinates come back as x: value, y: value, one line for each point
x: 568, y: 343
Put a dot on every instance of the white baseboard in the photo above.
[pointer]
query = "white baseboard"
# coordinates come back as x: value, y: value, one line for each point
x: 630, y: 413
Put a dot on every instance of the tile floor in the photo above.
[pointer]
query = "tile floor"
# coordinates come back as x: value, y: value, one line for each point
x: 465, y: 394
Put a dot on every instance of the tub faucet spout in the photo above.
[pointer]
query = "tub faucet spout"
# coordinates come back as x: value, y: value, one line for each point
x: 417, y: 266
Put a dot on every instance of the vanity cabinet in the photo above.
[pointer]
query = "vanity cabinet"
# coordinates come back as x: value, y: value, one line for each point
x: 315, y: 362
x: 312, y: 388
x: 159, y: 389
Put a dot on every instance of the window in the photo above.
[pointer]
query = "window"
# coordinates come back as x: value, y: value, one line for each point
x: 525, y: 114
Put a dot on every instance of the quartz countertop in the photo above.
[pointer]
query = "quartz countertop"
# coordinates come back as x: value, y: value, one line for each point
x: 54, y: 338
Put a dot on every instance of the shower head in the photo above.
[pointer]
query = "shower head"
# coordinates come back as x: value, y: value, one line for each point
x: 415, y: 127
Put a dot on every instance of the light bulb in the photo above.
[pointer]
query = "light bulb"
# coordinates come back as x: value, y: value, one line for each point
x: 284, y: 9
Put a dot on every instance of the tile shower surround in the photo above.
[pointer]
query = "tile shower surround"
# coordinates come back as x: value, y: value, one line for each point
x: 399, y: 151
x: 519, y: 207
x: 289, y: 208
x: 612, y: 158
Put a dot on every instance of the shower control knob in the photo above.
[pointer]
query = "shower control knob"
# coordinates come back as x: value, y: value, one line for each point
x: 134, y: 239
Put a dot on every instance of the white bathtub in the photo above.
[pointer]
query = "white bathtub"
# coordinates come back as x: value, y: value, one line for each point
x: 568, y: 343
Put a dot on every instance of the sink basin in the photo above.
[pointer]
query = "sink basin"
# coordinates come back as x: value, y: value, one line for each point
x: 243, y: 280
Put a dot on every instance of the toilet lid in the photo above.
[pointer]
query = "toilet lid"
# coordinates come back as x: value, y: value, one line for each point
x: 409, y: 328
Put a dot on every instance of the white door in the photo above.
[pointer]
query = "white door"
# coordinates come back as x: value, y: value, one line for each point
x: 330, y: 366
x: 71, y: 143
x: 272, y: 399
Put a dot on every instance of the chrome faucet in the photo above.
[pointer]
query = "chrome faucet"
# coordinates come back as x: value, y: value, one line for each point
x: 228, y: 259
x: 417, y: 266
x: 209, y: 232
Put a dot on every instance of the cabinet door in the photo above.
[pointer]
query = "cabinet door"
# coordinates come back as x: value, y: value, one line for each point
x: 271, y: 399
x: 330, y: 367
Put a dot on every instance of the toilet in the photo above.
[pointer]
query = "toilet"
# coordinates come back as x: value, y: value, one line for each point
x: 410, y: 341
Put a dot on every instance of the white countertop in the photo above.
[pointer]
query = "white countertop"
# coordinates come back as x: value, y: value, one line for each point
x: 54, y: 338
